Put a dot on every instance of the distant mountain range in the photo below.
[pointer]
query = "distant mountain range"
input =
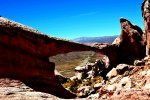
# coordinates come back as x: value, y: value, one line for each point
x: 104, y: 39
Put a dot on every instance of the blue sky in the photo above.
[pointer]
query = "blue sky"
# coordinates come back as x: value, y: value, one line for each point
x: 73, y: 18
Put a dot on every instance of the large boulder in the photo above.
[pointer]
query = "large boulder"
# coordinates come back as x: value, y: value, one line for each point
x: 112, y: 73
x: 121, y: 68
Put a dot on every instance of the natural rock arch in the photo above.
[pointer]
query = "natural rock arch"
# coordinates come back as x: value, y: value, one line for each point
x: 24, y: 54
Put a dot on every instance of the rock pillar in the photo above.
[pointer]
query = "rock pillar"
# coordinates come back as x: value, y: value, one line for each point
x: 146, y: 16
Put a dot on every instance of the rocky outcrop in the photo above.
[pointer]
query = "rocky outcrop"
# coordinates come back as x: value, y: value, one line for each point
x: 86, y: 79
x: 131, y: 44
x: 131, y: 84
x: 16, y: 90
x: 112, y: 73
x: 146, y: 15
x: 125, y: 49
x: 131, y: 36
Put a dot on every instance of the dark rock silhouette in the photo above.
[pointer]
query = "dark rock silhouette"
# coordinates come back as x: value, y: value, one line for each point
x: 131, y: 45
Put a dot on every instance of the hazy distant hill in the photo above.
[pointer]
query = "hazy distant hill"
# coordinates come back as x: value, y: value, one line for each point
x: 104, y: 39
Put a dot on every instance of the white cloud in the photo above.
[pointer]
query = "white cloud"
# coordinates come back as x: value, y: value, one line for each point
x: 85, y: 14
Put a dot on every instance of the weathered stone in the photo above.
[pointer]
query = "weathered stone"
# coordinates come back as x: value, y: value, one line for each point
x: 111, y: 87
x: 112, y: 73
x: 83, y: 91
x: 132, y: 94
x: 138, y: 63
x: 106, y: 61
x: 93, y: 96
x: 137, y: 68
x: 146, y: 15
x: 24, y: 54
x: 125, y: 83
x: 121, y: 68
x: 98, y: 85
x: 130, y: 47
x: 16, y: 90
x: 115, y: 79
x: 148, y: 73
x: 116, y: 41
x: 147, y: 83
x: 90, y: 74
x: 110, y: 51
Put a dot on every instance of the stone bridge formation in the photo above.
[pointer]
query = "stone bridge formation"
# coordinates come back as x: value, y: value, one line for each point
x: 24, y: 54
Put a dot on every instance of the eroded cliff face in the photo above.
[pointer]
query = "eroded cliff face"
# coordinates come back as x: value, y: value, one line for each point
x: 146, y: 15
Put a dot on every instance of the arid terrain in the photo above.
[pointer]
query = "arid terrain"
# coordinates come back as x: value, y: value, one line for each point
x: 66, y: 63
x: 35, y: 66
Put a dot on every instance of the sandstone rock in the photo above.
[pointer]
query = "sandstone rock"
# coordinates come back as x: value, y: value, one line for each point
x: 79, y: 75
x: 110, y: 51
x: 143, y: 73
x: 98, y: 85
x: 137, y: 68
x: 80, y: 72
x: 79, y: 68
x: 83, y: 91
x: 116, y: 41
x: 146, y: 15
x: 125, y: 83
x: 148, y: 73
x: 24, y: 55
x: 93, y: 96
x: 16, y: 90
x: 131, y: 36
x: 23, y: 46
x: 138, y: 63
x: 111, y: 87
x: 73, y: 78
x: 90, y: 74
x: 147, y: 84
x: 106, y: 61
x: 112, y: 73
x: 147, y: 58
x: 115, y: 79
x: 131, y: 94
x: 98, y: 67
x: 121, y: 68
